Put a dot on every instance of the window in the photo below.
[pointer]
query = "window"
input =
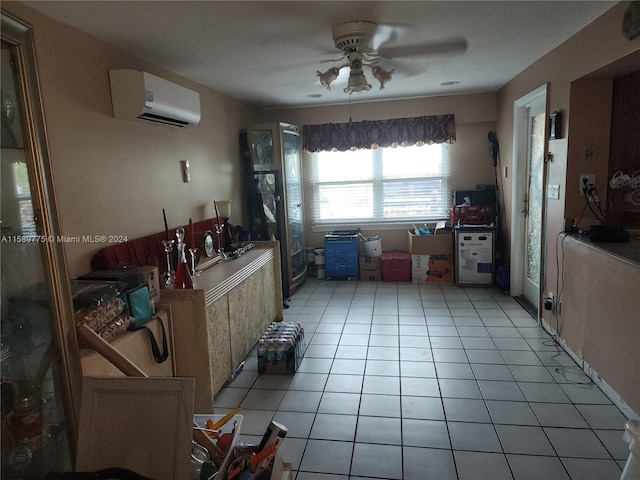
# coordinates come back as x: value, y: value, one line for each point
x: 380, y: 185
x: 23, y: 195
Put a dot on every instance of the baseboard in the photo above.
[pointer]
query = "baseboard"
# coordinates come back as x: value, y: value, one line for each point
x: 607, y: 389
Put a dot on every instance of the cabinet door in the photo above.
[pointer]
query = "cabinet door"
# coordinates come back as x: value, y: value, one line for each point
x: 292, y: 166
x: 268, y: 189
x: 40, y: 366
x: 263, y: 156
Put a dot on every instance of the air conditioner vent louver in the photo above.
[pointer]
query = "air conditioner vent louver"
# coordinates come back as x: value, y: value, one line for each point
x: 165, y: 120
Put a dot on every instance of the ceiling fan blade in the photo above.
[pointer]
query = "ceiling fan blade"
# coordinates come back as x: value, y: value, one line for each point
x: 388, y: 33
x: 451, y: 47
x: 384, y: 34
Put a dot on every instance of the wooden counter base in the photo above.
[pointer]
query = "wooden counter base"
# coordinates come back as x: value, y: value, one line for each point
x: 218, y: 322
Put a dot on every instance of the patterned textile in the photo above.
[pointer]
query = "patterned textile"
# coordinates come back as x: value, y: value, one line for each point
x: 341, y: 137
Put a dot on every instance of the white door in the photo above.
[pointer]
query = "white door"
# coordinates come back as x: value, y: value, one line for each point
x: 527, y: 210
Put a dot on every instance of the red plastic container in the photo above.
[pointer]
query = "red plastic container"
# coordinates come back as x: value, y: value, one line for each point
x: 473, y: 215
x: 396, y: 266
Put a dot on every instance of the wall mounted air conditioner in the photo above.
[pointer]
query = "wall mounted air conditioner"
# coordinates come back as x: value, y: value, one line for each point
x: 142, y: 96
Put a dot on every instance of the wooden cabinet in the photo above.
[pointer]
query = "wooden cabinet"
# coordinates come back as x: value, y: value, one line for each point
x: 136, y: 347
x: 220, y: 320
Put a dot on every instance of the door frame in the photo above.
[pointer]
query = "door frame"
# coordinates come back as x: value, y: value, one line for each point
x: 518, y: 188
x: 63, y: 328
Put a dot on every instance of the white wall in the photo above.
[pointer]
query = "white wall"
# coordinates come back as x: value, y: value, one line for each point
x: 114, y: 177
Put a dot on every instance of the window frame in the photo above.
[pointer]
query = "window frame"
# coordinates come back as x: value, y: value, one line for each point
x: 377, y: 183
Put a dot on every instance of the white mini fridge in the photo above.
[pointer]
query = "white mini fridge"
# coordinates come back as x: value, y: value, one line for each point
x: 474, y: 256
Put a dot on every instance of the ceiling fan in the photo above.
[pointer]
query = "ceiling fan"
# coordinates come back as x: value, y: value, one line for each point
x: 362, y: 43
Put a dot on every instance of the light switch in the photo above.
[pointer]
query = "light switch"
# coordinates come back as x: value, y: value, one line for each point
x: 553, y: 191
x: 589, y: 152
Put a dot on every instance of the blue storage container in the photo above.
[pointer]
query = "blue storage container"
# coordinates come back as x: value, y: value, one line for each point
x: 341, y: 255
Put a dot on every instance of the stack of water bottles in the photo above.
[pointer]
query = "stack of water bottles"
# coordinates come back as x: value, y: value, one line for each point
x: 280, y: 348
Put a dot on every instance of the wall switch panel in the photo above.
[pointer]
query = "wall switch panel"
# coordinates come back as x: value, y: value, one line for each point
x: 553, y: 191
x: 589, y: 152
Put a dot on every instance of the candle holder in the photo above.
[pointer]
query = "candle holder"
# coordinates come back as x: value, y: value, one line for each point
x: 223, y: 208
x: 183, y: 277
x: 228, y: 247
x: 169, y: 275
x: 194, y: 273
x: 219, y: 231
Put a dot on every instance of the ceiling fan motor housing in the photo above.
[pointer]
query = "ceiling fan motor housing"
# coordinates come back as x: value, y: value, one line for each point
x: 355, y: 61
x: 350, y: 36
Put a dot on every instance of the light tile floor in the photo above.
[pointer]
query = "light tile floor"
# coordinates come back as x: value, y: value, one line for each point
x: 407, y: 381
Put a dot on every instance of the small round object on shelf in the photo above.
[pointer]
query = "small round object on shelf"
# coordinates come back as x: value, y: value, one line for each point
x: 208, y: 246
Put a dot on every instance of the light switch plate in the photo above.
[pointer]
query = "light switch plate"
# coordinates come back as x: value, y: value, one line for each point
x: 553, y: 191
x: 589, y: 152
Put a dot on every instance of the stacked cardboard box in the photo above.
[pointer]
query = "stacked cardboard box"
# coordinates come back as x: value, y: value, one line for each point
x: 370, y: 268
x: 432, y: 256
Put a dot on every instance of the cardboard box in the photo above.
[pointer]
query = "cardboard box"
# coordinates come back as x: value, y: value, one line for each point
x: 150, y: 276
x: 431, y: 269
x: 370, y: 268
x: 441, y: 242
x: 474, y: 257
x: 432, y: 256
x: 371, y: 275
x: 370, y: 263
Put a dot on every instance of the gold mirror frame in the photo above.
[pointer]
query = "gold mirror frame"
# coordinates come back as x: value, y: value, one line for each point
x: 20, y: 35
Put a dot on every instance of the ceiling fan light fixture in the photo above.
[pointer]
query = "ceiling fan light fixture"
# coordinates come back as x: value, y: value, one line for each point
x: 382, y: 75
x: 357, y: 83
x: 327, y: 77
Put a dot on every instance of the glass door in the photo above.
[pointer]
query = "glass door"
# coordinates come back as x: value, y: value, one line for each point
x: 40, y: 371
x: 267, y: 186
x: 262, y: 154
x: 534, y: 198
x: 293, y: 191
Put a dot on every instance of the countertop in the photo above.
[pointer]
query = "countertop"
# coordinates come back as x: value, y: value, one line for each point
x: 217, y: 280
x: 628, y: 252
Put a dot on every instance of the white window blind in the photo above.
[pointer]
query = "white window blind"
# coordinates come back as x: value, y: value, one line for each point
x: 380, y: 185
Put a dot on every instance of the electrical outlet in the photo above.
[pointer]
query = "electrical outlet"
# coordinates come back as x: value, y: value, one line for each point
x: 590, y: 179
x: 549, y: 302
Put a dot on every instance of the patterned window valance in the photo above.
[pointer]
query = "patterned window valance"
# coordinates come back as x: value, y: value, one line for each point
x: 341, y: 137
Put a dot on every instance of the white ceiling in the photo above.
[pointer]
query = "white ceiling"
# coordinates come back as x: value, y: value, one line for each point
x: 267, y: 53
